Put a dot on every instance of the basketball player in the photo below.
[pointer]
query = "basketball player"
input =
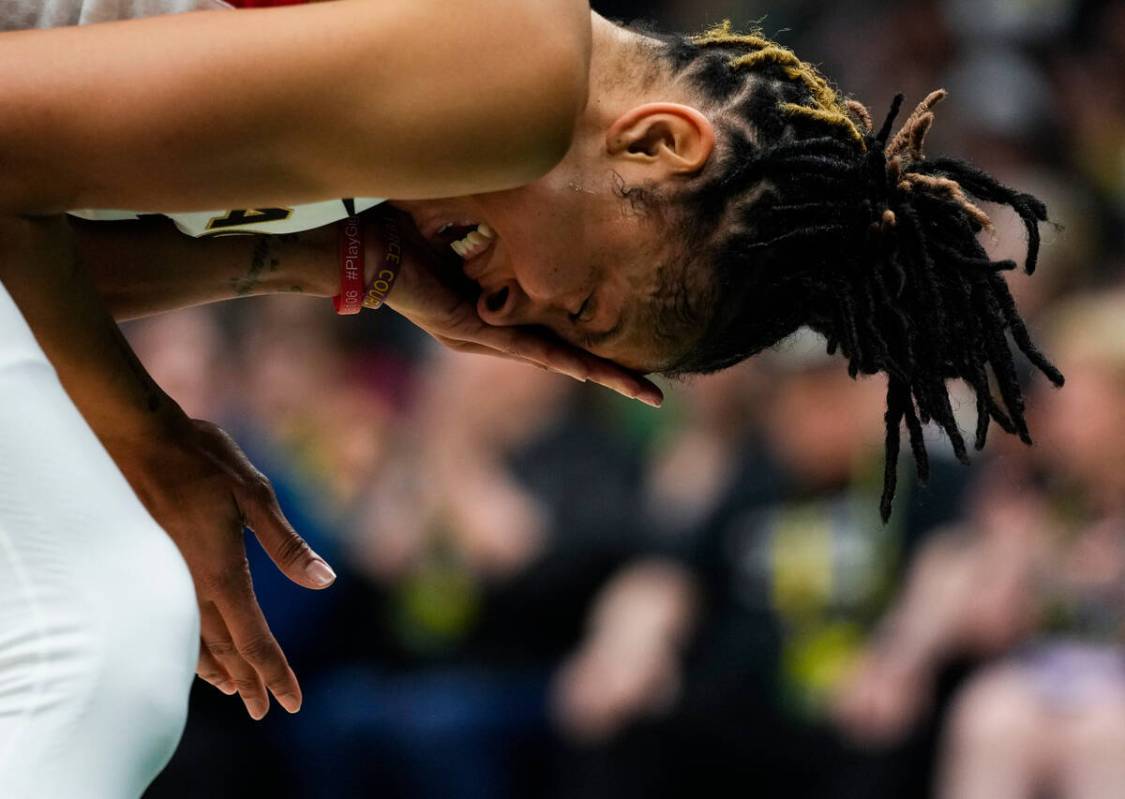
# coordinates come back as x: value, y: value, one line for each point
x: 670, y: 203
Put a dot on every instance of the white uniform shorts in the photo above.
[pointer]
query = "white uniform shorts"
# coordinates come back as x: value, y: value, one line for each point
x: 99, y: 629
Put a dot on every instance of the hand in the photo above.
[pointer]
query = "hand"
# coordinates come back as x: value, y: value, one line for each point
x: 430, y: 300
x: 203, y: 491
x: 880, y: 700
x: 606, y: 685
x: 497, y: 527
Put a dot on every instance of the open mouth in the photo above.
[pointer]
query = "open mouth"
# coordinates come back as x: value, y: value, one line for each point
x: 467, y: 240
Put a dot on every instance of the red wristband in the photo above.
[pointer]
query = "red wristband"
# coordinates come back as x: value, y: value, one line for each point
x: 352, y: 264
x: 392, y: 260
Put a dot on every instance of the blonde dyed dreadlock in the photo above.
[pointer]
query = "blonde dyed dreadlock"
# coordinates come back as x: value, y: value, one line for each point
x: 827, y: 107
x: 811, y: 217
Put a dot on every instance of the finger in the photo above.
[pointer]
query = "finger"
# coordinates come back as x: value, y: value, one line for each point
x: 608, y: 374
x: 219, y: 642
x: 293, y: 556
x: 562, y: 357
x: 470, y: 348
x: 573, y: 361
x: 211, y: 670
x: 532, y: 346
x: 256, y: 645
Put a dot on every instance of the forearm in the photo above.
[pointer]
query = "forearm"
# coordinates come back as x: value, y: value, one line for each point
x: 922, y: 627
x: 146, y: 267
x: 39, y: 268
x: 223, y: 109
x: 653, y: 602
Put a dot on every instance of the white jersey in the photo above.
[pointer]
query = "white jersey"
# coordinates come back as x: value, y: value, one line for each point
x: 22, y: 14
x: 250, y: 220
x: 99, y: 626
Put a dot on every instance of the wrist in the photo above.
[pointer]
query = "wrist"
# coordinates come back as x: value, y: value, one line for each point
x: 370, y: 258
x: 308, y: 263
x: 136, y: 439
x: 382, y: 274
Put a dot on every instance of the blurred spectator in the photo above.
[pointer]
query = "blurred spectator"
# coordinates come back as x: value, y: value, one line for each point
x: 629, y: 666
x: 546, y: 593
x: 1037, y: 571
x: 482, y: 543
x: 184, y: 350
x: 786, y: 551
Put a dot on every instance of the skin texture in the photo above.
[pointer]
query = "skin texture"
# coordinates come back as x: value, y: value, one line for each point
x: 572, y: 254
x: 112, y: 137
x: 191, y: 476
x: 264, y: 106
x: 142, y: 268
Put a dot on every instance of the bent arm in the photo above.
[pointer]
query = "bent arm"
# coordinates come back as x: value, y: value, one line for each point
x: 39, y: 268
x: 142, y: 268
x: 385, y: 98
x: 147, y: 267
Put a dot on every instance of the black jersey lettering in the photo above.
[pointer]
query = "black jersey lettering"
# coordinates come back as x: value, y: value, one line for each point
x: 248, y: 216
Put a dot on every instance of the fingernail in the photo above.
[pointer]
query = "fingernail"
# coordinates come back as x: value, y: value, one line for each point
x: 320, y: 573
x: 256, y: 710
x: 227, y: 688
x: 651, y: 401
x: 289, y: 700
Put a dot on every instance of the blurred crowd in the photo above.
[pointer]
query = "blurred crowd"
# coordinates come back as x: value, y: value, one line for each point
x: 546, y: 591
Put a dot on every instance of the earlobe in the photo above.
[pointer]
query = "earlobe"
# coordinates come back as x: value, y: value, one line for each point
x: 675, y: 138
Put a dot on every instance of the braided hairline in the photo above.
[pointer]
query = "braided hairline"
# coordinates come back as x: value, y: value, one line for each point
x: 860, y: 238
x: 827, y: 106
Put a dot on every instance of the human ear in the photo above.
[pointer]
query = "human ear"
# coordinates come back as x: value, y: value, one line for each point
x: 672, y: 138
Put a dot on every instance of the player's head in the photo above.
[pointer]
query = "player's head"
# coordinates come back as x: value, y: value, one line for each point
x: 1084, y: 441
x: 720, y: 194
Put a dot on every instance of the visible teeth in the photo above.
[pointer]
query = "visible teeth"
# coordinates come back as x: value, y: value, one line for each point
x: 474, y: 242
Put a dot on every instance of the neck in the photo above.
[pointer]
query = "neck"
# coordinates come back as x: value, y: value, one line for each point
x: 619, y: 78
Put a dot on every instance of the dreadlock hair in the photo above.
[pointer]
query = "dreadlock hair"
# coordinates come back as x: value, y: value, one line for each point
x: 811, y: 216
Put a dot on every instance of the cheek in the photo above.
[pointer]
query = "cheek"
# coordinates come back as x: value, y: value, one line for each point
x: 553, y: 235
x: 548, y: 262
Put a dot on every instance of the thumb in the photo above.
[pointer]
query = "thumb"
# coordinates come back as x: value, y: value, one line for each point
x: 292, y: 555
